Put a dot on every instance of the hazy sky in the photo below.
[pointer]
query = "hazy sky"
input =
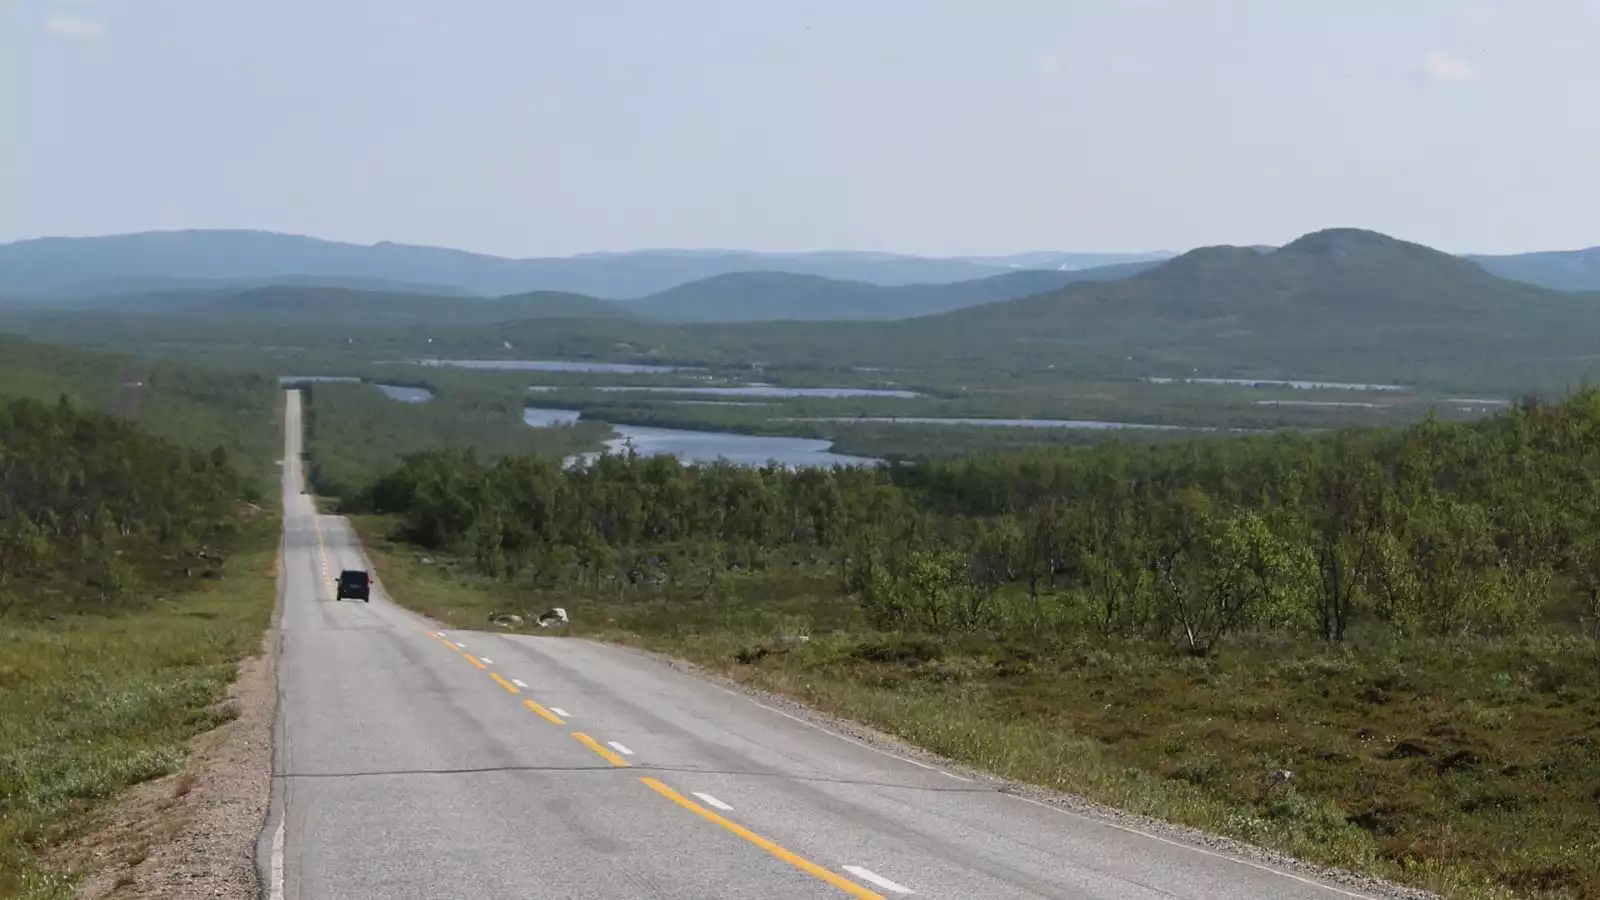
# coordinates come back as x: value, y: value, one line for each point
x: 526, y: 127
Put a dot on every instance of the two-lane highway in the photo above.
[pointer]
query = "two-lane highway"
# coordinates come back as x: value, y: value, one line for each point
x: 412, y: 762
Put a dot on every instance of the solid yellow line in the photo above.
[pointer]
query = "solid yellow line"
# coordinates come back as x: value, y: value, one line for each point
x: 799, y: 862
x: 474, y: 660
x: 547, y: 714
x: 605, y: 753
x: 504, y: 683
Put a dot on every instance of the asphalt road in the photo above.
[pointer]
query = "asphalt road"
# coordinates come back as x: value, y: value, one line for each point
x: 411, y: 763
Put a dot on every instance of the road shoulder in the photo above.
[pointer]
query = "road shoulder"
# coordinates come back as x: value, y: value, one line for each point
x: 191, y: 834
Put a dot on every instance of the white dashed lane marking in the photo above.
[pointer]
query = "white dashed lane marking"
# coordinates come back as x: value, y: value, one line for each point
x: 518, y: 682
x: 618, y: 747
x: 709, y: 800
x: 872, y: 877
x: 561, y: 712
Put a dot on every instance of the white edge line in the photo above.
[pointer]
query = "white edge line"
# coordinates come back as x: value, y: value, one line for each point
x: 561, y: 712
x: 619, y: 748
x: 1201, y: 850
x: 875, y: 878
x: 275, y: 871
x: 518, y: 682
x: 712, y: 801
x: 842, y: 737
x: 1094, y: 819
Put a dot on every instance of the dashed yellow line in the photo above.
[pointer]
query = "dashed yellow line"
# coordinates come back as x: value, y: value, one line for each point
x: 322, y: 551
x: 793, y: 859
x: 545, y: 714
x: 604, y: 752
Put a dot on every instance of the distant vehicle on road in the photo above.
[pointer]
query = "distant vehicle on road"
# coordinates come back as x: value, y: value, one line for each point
x: 355, y: 584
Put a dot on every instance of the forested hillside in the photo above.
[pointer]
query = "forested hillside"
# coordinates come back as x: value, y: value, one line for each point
x: 1405, y: 621
x: 91, y: 505
x: 194, y: 407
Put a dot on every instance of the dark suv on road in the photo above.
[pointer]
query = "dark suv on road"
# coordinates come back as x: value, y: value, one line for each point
x: 355, y: 584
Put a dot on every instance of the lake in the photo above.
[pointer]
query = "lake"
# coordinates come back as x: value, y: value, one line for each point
x: 997, y: 423
x: 1285, y: 383
x: 404, y: 393
x: 555, y: 365
x: 747, y: 390
x: 547, y: 418
x: 716, y: 403
x: 706, y: 446
x: 1346, y: 404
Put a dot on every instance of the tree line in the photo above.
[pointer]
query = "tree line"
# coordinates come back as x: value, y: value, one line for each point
x: 1440, y: 528
x: 91, y: 506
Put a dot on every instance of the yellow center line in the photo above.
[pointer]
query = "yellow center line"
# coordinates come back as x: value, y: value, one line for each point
x: 604, y: 753
x: 799, y: 862
x: 546, y: 714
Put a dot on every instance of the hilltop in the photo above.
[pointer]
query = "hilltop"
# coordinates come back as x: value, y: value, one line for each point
x: 1341, y: 301
x: 1349, y: 273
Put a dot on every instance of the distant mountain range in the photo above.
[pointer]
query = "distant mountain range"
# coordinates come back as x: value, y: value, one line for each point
x: 255, y: 273
x: 1347, y: 303
x: 736, y: 297
x: 1563, y: 270
x: 113, y: 264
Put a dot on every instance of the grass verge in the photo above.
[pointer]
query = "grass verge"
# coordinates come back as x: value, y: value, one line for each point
x: 92, y: 704
x: 1469, y: 768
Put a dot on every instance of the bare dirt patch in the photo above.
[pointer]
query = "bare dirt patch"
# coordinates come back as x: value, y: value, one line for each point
x: 191, y: 834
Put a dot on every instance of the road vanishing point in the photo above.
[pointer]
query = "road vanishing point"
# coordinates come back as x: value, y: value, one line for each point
x: 416, y: 763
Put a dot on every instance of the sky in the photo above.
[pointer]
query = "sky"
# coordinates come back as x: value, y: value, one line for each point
x: 534, y: 128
